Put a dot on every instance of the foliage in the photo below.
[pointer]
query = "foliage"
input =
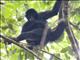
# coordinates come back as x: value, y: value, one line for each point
x: 12, y: 18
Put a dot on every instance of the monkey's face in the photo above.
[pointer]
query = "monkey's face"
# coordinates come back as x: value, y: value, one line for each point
x: 31, y: 18
x: 31, y: 15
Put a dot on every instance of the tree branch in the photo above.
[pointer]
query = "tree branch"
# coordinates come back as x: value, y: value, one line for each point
x: 73, y: 40
x: 44, y: 35
x: 8, y: 39
x: 74, y: 25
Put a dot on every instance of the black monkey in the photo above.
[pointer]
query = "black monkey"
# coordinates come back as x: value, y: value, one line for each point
x: 32, y: 30
x: 38, y: 20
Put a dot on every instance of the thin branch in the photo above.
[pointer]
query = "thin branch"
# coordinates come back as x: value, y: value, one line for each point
x: 8, y: 39
x: 44, y: 35
x: 50, y: 54
x: 74, y: 25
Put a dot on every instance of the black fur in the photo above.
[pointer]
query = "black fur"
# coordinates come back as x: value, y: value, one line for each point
x: 34, y: 37
x: 33, y: 29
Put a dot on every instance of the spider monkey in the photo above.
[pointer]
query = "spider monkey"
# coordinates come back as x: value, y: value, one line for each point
x: 36, y: 23
x: 32, y: 30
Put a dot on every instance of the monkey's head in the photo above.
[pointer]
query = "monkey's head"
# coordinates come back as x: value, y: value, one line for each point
x: 31, y: 15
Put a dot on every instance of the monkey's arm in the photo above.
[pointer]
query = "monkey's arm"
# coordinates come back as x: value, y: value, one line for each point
x: 30, y: 35
x: 53, y: 12
x: 27, y: 27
